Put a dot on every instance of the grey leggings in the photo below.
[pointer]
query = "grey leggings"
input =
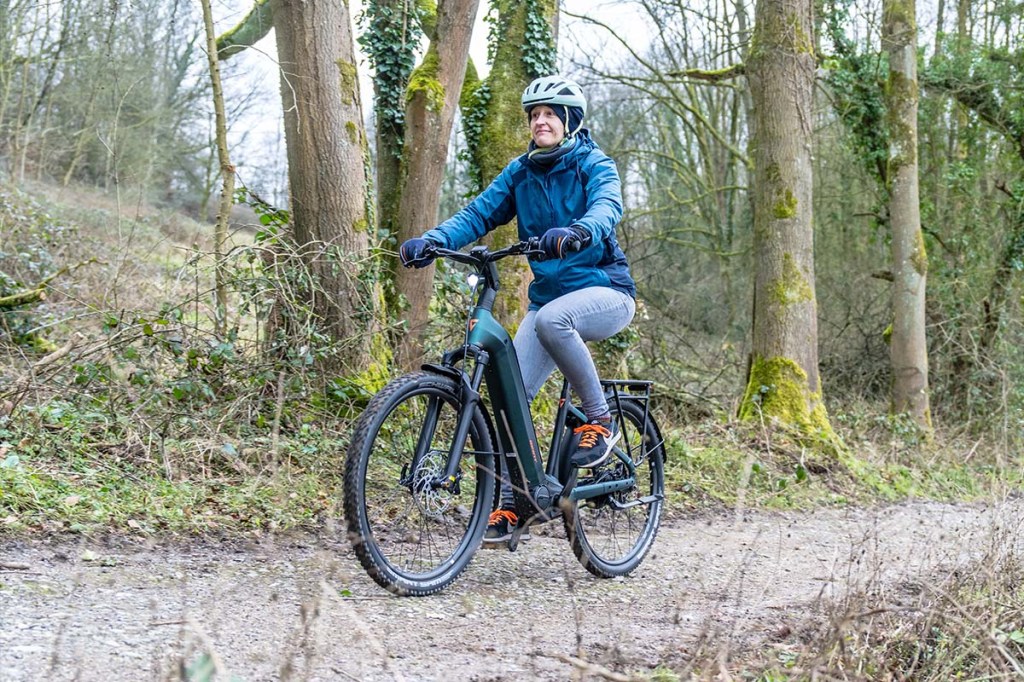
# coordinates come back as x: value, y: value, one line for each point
x: 556, y: 335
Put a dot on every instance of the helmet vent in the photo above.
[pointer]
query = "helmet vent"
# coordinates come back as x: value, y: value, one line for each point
x: 565, y: 91
x: 554, y: 85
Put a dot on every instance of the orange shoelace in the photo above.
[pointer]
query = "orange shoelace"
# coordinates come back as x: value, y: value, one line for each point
x: 498, y: 514
x: 590, y: 433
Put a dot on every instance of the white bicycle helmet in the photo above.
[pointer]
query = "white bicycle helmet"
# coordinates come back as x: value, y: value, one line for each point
x: 554, y: 90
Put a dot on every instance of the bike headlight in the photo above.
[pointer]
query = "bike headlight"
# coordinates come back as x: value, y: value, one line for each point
x: 473, y: 280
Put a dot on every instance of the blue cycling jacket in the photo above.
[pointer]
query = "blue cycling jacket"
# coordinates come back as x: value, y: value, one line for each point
x: 581, y: 188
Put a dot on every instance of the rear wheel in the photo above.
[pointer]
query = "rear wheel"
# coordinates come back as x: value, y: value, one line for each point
x: 611, y: 534
x: 413, y: 531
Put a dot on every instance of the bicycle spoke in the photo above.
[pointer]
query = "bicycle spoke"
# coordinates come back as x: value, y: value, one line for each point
x: 412, y: 529
x: 611, y: 533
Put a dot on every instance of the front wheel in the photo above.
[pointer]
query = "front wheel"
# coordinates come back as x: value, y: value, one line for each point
x: 413, y: 530
x: 611, y: 534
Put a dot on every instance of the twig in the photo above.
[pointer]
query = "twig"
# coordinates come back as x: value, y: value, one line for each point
x: 594, y: 668
x: 275, y: 430
x: 13, y: 566
x: 197, y: 630
x: 167, y: 622
x: 21, y: 386
x: 380, y: 598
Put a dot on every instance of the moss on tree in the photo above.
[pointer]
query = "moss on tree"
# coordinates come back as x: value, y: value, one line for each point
x: 792, y: 287
x: 424, y: 80
x: 786, y: 205
x: 778, y: 389
x: 348, y: 81
x: 902, y: 137
x: 250, y: 30
x: 428, y: 17
x: 919, y: 259
x: 469, y: 85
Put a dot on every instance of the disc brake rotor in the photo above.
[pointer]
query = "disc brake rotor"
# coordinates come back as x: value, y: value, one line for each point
x: 431, y: 500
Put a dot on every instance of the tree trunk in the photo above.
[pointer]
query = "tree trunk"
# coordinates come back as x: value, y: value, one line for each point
x: 326, y: 173
x: 433, y: 97
x: 250, y: 30
x: 908, y: 348
x: 503, y: 133
x: 390, y: 35
x: 227, y: 174
x: 783, y: 381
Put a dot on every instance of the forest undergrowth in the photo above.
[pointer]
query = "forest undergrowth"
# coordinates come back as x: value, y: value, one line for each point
x: 962, y: 624
x: 122, y: 412
x: 121, y: 409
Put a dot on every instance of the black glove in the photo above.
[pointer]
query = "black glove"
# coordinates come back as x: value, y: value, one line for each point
x: 415, y: 252
x: 560, y: 241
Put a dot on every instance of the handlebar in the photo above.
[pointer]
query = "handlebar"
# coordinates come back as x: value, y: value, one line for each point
x: 481, y: 255
x: 483, y: 259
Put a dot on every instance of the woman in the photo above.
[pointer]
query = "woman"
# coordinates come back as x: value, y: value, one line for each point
x: 566, y: 191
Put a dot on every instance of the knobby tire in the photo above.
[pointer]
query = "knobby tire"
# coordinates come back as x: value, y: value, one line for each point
x: 610, y: 542
x: 410, y: 538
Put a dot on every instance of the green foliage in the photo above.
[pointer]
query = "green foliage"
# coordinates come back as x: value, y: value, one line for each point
x: 710, y: 466
x: 473, y: 118
x: 30, y: 235
x: 856, y: 81
x: 390, y: 37
x: 539, y: 50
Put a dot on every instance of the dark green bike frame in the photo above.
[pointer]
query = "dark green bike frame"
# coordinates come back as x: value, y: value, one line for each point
x: 538, y: 487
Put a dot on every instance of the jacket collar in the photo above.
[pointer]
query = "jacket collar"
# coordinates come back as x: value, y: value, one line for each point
x: 583, y: 145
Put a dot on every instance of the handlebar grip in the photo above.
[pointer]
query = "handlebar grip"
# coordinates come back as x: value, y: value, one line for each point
x: 574, y: 246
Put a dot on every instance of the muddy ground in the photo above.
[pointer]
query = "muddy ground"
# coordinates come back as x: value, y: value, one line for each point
x: 301, y: 608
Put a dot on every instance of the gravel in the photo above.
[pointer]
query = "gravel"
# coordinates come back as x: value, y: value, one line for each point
x: 301, y: 608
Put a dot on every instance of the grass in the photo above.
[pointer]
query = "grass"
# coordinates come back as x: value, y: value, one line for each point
x: 725, y: 464
x: 152, y: 424
x: 66, y: 482
x: 967, y: 625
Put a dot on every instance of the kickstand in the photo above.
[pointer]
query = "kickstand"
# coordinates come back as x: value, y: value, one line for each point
x: 513, y: 542
x: 569, y: 485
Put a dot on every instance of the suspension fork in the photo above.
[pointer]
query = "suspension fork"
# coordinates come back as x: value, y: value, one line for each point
x: 470, y: 400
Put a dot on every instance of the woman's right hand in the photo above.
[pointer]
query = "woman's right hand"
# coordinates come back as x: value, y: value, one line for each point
x: 560, y: 241
x: 416, y: 252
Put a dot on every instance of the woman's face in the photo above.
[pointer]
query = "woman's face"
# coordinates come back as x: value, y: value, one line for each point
x: 546, y: 129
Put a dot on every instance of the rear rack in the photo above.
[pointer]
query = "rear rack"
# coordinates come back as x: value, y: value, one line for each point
x: 637, y: 392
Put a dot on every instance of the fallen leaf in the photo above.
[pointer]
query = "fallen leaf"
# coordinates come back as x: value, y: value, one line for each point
x: 72, y: 500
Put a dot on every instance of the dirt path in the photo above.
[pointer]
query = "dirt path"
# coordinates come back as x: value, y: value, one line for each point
x: 302, y: 609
